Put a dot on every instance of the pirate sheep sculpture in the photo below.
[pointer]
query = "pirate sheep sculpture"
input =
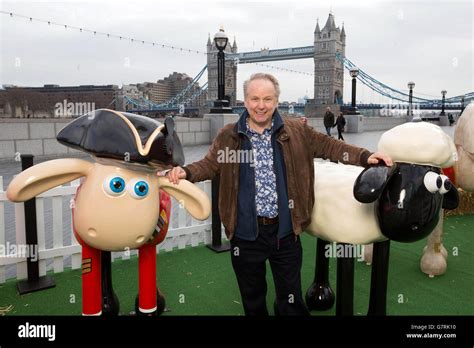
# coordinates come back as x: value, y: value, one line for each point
x: 121, y: 203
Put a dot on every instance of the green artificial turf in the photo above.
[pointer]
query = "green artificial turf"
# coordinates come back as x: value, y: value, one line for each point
x: 197, y: 281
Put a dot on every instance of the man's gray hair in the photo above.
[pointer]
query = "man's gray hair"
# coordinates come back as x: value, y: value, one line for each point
x: 263, y: 76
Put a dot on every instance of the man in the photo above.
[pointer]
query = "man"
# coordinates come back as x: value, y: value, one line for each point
x: 451, y: 119
x: 340, y: 124
x: 266, y: 202
x: 328, y: 120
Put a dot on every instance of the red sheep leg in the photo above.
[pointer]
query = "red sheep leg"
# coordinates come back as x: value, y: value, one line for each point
x: 147, y: 279
x: 91, y: 281
x: 147, y: 302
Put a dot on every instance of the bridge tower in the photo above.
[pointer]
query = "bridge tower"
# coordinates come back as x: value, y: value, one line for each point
x: 328, y: 69
x: 230, y: 72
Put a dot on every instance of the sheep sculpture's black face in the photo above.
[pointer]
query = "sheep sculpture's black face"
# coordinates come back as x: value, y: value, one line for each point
x: 408, y: 198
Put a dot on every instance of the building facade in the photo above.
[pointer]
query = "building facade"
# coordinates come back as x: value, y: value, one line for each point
x: 175, y: 87
x: 329, y: 53
x: 329, y: 44
x: 56, y: 101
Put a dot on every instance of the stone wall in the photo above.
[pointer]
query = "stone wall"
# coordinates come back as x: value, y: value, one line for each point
x: 38, y: 136
x: 364, y: 124
x: 359, y: 123
x: 382, y: 123
x: 32, y: 136
x: 193, y: 131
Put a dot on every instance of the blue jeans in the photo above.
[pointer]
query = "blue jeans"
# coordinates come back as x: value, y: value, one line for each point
x: 328, y: 130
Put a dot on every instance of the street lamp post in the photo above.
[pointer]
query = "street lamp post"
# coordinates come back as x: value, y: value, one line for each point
x: 221, y: 105
x: 443, y: 92
x: 411, y: 85
x: 354, y: 72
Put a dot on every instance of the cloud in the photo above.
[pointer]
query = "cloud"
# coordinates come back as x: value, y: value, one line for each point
x: 394, y: 41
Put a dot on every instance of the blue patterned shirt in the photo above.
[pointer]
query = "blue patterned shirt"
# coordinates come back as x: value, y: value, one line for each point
x: 266, y: 197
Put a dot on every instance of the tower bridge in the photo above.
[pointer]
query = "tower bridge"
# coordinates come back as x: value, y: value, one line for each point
x: 328, y: 54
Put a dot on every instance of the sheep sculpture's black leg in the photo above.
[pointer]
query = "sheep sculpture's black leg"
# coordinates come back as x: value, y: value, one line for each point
x: 110, y: 302
x: 379, y: 281
x: 320, y: 295
x: 345, y: 279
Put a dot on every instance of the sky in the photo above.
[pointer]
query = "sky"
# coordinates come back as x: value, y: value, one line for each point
x: 429, y: 42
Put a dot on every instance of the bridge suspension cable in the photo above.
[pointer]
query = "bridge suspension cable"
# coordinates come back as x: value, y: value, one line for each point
x: 395, y: 94
x: 282, y: 69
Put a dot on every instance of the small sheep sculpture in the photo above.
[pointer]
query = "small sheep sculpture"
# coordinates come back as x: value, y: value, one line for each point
x: 378, y: 204
x: 117, y: 205
x: 434, y: 259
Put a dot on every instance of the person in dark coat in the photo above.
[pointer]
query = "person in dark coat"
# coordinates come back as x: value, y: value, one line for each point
x: 258, y: 220
x: 328, y: 120
x: 451, y: 119
x: 340, y: 124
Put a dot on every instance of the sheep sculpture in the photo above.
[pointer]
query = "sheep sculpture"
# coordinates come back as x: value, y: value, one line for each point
x: 434, y: 259
x: 375, y: 205
x: 117, y: 205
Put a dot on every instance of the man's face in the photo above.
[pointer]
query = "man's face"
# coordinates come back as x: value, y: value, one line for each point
x: 261, y: 102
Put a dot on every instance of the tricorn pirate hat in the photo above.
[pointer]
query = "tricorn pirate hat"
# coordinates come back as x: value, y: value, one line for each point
x: 121, y: 135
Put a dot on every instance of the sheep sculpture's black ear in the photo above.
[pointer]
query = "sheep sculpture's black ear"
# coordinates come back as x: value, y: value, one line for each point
x: 371, y: 181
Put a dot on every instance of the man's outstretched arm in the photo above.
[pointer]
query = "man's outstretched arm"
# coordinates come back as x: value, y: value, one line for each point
x: 326, y: 147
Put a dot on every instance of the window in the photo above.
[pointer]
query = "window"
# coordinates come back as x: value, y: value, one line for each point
x: 324, y: 78
x: 323, y: 92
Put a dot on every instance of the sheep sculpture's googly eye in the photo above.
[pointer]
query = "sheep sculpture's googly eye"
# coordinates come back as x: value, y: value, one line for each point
x: 114, y: 185
x: 138, y: 188
x: 446, y: 185
x: 432, y: 181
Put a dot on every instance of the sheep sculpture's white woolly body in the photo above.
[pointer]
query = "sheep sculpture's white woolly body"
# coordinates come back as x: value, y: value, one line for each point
x: 337, y: 216
x: 335, y: 202
x: 419, y: 143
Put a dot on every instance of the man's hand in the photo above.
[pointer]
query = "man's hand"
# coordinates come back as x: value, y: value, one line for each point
x: 377, y: 156
x: 175, y: 174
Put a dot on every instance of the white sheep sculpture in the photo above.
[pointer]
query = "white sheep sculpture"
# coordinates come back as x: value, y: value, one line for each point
x: 378, y: 204
x: 434, y: 259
